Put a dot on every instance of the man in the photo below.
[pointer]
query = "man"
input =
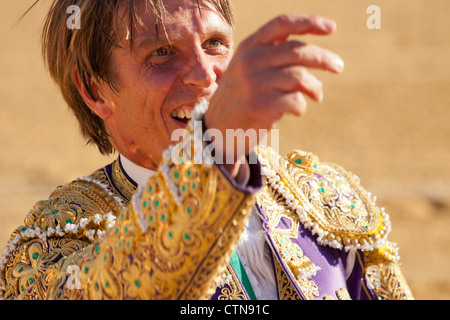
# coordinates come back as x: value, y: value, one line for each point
x: 152, y: 225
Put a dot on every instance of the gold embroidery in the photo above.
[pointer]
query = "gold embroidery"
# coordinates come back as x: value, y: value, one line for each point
x: 276, y: 210
x: 115, y: 266
x: 328, y: 200
x: 308, y: 288
x: 120, y: 180
x: 171, y: 242
x: 234, y: 289
x: 384, y: 276
x: 29, y: 270
x: 343, y: 294
x: 300, y: 266
x: 285, y: 289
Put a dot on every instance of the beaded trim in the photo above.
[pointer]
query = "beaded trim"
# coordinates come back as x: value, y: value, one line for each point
x: 140, y: 217
x: 105, y: 188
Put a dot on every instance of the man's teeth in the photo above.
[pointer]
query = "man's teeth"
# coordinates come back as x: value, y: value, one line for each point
x: 181, y: 114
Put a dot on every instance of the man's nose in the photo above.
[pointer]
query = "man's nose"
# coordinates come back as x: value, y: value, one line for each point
x: 200, y: 70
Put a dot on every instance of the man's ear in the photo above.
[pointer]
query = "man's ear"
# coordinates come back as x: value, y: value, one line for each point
x: 98, y: 103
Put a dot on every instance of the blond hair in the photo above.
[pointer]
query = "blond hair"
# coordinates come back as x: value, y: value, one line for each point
x: 89, y: 49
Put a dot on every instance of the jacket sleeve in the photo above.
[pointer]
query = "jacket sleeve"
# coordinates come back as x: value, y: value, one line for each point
x: 171, y: 242
x: 383, y: 275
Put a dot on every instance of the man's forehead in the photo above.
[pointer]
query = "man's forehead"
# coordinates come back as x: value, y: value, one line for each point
x: 200, y: 17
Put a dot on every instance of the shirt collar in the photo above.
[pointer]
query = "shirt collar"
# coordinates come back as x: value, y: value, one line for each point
x: 138, y: 174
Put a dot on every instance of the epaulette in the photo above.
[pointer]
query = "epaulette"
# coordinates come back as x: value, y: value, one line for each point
x: 329, y: 201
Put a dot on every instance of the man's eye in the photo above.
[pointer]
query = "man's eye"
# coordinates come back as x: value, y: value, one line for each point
x: 213, y: 44
x: 161, y: 52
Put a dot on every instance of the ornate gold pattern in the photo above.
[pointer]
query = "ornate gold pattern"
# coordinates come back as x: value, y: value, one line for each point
x: 300, y: 267
x: 29, y: 269
x: 121, y: 181
x: 328, y: 200
x: 341, y: 294
x: 233, y: 290
x: 286, y: 291
x: 158, y: 248
x: 179, y: 232
x: 275, y: 209
x: 384, y: 275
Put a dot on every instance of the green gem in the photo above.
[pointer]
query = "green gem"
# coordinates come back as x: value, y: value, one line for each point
x: 22, y: 288
x: 188, y: 210
x: 68, y: 221
x: 128, y: 244
x: 163, y: 217
x: 183, y: 188
x: 150, y: 188
x: 117, y: 230
x: 170, y: 235
x: 24, y: 229
x: 35, y: 256
x: 107, y: 284
x: 322, y: 190
x: 150, y: 218
x: 55, y: 211
x: 189, y: 173
x: 157, y: 203
x: 180, y: 160
x: 136, y: 283
x: 21, y: 269
x: 31, y: 280
x: 97, y: 248
x: 315, y: 166
x: 366, y: 227
x: 144, y: 204
x: 126, y: 229
x: 352, y: 206
x: 122, y: 216
x: 187, y: 237
x: 86, y: 269
x: 193, y: 186
x: 176, y: 175
x: 298, y: 161
x: 120, y: 245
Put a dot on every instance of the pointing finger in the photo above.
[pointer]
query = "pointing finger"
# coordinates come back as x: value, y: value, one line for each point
x: 292, y: 53
x: 280, y: 28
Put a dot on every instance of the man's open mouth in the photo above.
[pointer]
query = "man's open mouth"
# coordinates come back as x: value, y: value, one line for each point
x: 181, y: 115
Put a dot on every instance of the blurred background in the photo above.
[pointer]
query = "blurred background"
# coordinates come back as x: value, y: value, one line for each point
x: 386, y: 119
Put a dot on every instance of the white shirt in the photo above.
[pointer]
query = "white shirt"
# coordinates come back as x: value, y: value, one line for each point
x: 253, y: 252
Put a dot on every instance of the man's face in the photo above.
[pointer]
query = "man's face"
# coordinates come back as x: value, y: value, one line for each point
x: 160, y: 82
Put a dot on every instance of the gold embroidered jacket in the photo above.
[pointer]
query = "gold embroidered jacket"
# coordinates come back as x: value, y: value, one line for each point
x: 92, y: 239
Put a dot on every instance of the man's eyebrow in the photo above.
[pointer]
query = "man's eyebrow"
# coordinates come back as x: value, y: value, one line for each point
x: 152, y: 41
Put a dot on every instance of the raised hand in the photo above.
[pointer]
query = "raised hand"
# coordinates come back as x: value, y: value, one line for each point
x: 268, y: 76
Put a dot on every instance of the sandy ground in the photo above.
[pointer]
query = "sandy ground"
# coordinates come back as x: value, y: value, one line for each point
x: 386, y: 118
